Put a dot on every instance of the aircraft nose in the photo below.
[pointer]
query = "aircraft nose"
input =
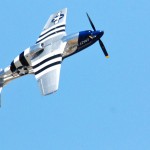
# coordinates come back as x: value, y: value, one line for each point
x: 99, y: 33
x: 102, y: 32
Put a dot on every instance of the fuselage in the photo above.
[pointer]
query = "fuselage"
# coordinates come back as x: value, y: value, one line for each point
x: 53, y: 45
x: 79, y: 41
x: 21, y: 65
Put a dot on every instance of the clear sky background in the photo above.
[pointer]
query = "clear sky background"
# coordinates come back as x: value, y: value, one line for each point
x: 101, y: 104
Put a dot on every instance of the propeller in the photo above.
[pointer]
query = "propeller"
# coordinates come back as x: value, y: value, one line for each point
x: 100, y: 41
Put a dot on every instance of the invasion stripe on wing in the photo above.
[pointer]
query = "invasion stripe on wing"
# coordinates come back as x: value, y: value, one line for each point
x: 54, y: 26
x: 51, y: 30
x: 50, y: 35
x: 46, y: 60
x: 45, y: 57
x: 47, y: 63
x: 48, y: 66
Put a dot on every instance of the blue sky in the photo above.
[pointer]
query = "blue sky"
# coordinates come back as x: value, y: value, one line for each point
x: 101, y: 104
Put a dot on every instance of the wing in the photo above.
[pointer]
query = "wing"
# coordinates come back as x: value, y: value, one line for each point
x: 55, y: 24
x: 46, y: 68
x: 50, y: 81
x: 47, y: 64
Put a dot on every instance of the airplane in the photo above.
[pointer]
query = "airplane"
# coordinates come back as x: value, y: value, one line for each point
x: 44, y: 58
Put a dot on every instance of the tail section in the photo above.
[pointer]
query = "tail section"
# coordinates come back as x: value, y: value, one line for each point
x: 1, y: 82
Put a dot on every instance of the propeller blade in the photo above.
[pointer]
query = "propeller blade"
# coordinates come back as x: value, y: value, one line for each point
x: 100, y: 42
x: 103, y: 49
x: 91, y: 22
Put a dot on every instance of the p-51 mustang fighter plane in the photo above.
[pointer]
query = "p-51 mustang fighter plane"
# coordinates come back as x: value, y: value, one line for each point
x: 45, y: 57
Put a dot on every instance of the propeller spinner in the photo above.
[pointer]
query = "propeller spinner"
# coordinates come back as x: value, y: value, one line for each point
x: 100, y: 41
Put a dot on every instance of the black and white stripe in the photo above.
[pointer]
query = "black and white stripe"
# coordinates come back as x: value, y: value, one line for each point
x: 13, y: 67
x: 23, y: 60
x: 50, y: 32
x: 46, y: 64
x: 20, y: 60
x: 48, y: 67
